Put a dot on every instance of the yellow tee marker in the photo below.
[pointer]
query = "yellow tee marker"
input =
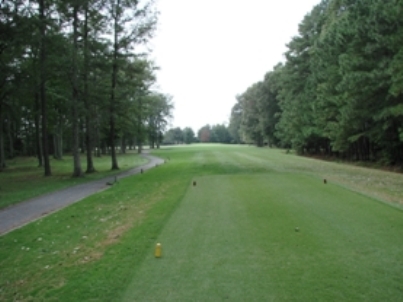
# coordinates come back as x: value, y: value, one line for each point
x: 158, y: 250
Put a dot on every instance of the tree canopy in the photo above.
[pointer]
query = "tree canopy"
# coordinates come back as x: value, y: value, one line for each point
x: 74, y: 78
x: 339, y: 91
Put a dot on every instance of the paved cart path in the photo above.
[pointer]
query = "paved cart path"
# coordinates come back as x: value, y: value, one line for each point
x: 22, y: 213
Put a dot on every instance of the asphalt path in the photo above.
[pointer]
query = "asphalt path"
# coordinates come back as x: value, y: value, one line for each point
x: 27, y: 211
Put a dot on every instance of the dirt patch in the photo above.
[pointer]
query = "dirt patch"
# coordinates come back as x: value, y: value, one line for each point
x: 115, y: 234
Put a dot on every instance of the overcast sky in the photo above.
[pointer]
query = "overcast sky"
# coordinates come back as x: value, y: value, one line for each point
x: 211, y: 50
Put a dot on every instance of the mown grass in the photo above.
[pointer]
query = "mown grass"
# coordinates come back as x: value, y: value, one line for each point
x: 23, y: 179
x: 232, y: 237
x: 240, y: 244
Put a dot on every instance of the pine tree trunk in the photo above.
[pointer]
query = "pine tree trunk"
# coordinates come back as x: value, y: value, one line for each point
x: 58, y: 144
x: 158, y: 139
x: 10, y: 138
x: 77, y: 171
x: 2, y: 155
x: 104, y: 148
x: 42, y: 88
x: 88, y: 124
x: 112, y: 130
x: 97, y: 142
x: 83, y: 145
x: 123, y: 145
x: 27, y: 148
x: 88, y: 145
x: 37, y: 132
x: 112, y: 138
x: 58, y: 140
x: 55, y: 147
x: 139, y: 128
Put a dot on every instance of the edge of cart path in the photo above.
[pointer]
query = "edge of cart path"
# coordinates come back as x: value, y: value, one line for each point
x: 27, y: 211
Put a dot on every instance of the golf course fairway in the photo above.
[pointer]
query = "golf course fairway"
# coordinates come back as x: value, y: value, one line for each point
x: 235, y: 223
x: 273, y: 237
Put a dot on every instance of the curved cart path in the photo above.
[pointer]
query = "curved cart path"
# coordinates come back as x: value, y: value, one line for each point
x: 22, y: 213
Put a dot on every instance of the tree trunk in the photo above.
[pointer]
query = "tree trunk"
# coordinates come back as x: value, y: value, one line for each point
x: 58, y: 144
x: 55, y: 147
x: 2, y: 155
x: 112, y: 147
x: 112, y: 130
x: 10, y: 138
x: 123, y: 145
x: 104, y: 148
x: 77, y: 171
x: 82, y: 147
x: 58, y: 139
x: 37, y: 132
x: 27, y: 144
x: 139, y: 128
x: 88, y: 113
x: 98, y: 141
x: 158, y: 139
x: 42, y: 88
x: 88, y: 145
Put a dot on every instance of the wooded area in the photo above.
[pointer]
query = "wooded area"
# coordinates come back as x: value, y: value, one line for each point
x: 75, y: 77
x: 206, y: 134
x: 339, y: 91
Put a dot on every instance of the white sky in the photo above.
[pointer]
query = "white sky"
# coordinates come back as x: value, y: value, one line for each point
x: 211, y: 50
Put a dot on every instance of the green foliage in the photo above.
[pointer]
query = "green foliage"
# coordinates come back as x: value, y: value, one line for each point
x: 174, y: 136
x: 340, y: 89
x: 235, y: 122
x: 256, y: 113
x: 96, y: 85
x: 220, y: 134
x: 188, y: 135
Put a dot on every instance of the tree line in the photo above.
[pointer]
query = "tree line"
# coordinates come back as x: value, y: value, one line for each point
x: 75, y: 77
x: 339, y: 91
x: 218, y: 133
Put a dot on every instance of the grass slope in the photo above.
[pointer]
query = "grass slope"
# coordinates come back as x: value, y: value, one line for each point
x: 89, y: 250
x: 232, y: 237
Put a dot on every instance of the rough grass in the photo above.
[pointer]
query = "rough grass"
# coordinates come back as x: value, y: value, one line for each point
x: 89, y: 250
x: 232, y: 237
x: 22, y: 179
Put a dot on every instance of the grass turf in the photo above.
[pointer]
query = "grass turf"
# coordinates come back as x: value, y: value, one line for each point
x: 22, y: 179
x: 232, y: 237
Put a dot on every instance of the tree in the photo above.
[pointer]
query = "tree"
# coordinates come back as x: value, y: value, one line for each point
x: 235, y: 122
x: 220, y: 134
x: 47, y: 97
x: 131, y: 25
x: 188, y: 135
x: 250, y: 125
x: 169, y: 137
x: 159, y: 112
x: 42, y: 84
x: 339, y: 91
x: 178, y: 135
